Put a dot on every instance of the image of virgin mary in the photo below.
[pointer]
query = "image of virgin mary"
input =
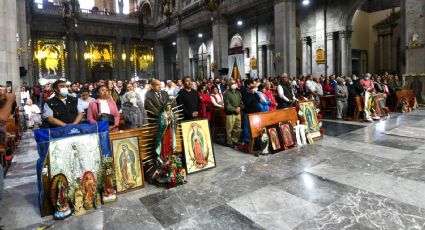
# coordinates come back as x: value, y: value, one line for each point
x: 127, y: 166
x: 197, y: 143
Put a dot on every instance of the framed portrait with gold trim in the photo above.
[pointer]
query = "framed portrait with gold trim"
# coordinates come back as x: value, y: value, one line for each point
x: 127, y: 163
x: 275, y: 143
x: 197, y: 145
x: 308, y: 116
x: 287, y: 135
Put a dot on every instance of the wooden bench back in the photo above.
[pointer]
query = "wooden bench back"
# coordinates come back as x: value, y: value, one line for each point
x: 404, y: 94
x: 258, y: 121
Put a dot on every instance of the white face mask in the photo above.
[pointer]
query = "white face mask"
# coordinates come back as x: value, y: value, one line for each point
x: 366, y: 78
x: 234, y: 86
x: 64, y: 91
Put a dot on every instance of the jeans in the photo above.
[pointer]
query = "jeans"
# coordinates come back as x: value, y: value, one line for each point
x: 246, y: 130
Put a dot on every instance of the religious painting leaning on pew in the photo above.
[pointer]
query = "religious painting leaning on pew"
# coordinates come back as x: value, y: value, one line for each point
x: 275, y: 144
x: 308, y: 116
x: 128, y: 169
x: 199, y: 154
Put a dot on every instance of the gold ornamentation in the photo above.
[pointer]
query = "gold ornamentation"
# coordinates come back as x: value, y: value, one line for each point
x: 320, y: 56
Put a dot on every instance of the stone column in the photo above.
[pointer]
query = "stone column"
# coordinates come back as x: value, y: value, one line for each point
x: 285, y: 35
x: 261, y: 72
x: 183, y: 53
x: 71, y: 55
x: 305, y: 57
x: 23, y: 40
x: 330, y: 53
x: 128, y: 74
x: 345, y: 47
x: 81, y: 62
x: 313, y: 65
x: 270, y: 69
x: 119, y: 66
x: 221, y: 43
x: 9, y: 69
x: 159, y: 60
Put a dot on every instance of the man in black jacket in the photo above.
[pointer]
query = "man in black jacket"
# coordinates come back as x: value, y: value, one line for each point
x: 155, y: 99
x: 62, y: 109
x: 189, y: 100
x: 250, y: 100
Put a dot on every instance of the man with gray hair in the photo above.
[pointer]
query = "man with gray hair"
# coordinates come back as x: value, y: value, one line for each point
x: 341, y: 96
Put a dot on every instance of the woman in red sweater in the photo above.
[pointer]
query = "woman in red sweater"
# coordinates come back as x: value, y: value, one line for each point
x: 270, y: 96
x: 206, y: 103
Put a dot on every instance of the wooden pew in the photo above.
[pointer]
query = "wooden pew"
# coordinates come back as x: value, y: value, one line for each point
x: 328, y: 105
x: 258, y: 121
x: 402, y: 94
x: 218, y: 119
x: 359, y: 107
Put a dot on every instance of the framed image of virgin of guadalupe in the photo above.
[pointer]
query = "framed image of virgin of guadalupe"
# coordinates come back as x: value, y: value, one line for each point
x: 128, y: 167
x: 287, y: 135
x: 197, y: 145
x: 275, y: 143
x: 308, y: 115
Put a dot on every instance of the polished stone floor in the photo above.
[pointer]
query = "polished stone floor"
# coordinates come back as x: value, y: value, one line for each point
x: 360, y: 176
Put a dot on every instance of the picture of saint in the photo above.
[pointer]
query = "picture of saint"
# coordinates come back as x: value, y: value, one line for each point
x: 197, y: 146
x: 274, y: 139
x: 127, y: 167
x: 287, y: 135
x: 197, y: 143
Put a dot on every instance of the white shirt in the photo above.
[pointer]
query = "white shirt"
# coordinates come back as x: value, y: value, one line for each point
x: 104, y: 106
x: 85, y: 104
x: 29, y: 109
x: 319, y: 89
x: 217, y: 100
x: 24, y: 95
x: 170, y: 92
x: 311, y: 86
x: 281, y: 94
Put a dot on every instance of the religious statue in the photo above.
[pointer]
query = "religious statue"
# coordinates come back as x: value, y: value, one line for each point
x: 127, y: 167
x: 52, y: 59
x: 89, y: 186
x: 98, y: 202
x: 300, y: 134
x: 105, y: 54
x: 78, y: 201
x: 264, y: 142
x: 96, y: 55
x: 109, y: 192
x: 197, y: 144
x: 167, y: 169
x: 59, y: 195
x: 414, y: 43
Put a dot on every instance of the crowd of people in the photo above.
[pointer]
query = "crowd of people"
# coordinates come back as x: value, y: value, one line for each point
x: 62, y: 103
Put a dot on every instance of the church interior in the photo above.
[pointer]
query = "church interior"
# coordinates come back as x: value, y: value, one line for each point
x: 325, y: 160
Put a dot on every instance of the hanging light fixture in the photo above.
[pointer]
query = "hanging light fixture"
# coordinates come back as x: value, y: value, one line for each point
x: 167, y: 11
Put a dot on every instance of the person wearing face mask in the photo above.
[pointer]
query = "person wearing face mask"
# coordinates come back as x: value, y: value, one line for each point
x: 133, y: 111
x: 286, y: 97
x: 233, y: 106
x: 250, y: 99
x: 352, y: 93
x: 62, y: 109
x: 367, y: 83
x: 221, y: 87
x: 341, y: 96
x: 84, y: 102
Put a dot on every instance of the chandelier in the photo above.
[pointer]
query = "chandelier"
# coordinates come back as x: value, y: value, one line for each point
x: 71, y: 9
x: 167, y: 11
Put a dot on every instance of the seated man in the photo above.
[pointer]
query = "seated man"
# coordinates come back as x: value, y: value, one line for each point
x: 61, y: 110
x: 33, y: 113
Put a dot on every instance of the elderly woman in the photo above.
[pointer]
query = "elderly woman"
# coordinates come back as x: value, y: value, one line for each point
x: 104, y: 109
x: 133, y: 110
x: 341, y: 96
x: 33, y: 113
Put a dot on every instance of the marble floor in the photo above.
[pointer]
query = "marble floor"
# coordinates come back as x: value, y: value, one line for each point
x: 360, y: 176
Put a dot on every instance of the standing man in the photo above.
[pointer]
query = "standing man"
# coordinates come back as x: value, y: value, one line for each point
x: 341, y: 96
x: 233, y: 106
x: 155, y: 99
x: 62, y: 109
x: 221, y: 87
x: 285, y: 97
x: 250, y: 100
x: 189, y: 100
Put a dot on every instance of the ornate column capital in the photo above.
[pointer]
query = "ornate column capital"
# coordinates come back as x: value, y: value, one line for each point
x: 313, y: 39
x: 304, y: 40
x: 345, y: 34
x: 330, y: 36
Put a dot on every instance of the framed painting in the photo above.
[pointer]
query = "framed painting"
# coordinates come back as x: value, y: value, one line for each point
x: 72, y: 156
x: 127, y: 163
x: 275, y: 143
x: 308, y: 113
x: 287, y: 135
x: 197, y: 145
